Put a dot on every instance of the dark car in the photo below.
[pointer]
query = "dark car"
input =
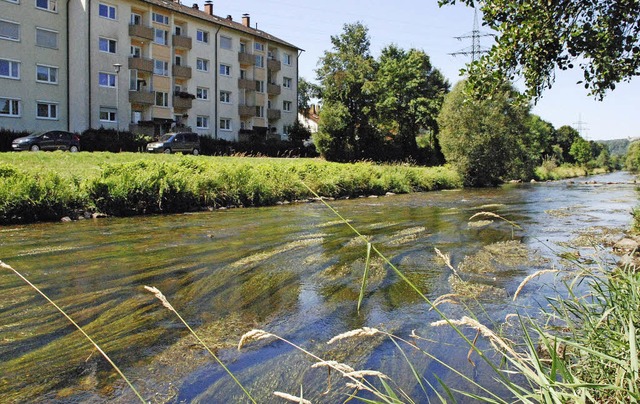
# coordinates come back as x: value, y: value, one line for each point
x: 184, y: 142
x: 52, y: 140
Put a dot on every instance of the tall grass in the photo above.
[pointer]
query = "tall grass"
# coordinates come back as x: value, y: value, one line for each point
x: 47, y: 186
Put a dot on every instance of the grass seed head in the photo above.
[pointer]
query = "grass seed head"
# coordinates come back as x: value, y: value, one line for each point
x: 360, y: 332
x: 291, y: 398
x: 160, y: 297
x: 253, y: 335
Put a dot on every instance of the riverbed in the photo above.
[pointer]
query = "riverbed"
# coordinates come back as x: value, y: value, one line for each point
x: 293, y: 270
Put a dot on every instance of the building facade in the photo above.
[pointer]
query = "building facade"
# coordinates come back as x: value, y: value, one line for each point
x: 148, y: 66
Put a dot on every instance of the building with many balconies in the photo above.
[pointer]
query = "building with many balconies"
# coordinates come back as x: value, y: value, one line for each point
x: 142, y: 65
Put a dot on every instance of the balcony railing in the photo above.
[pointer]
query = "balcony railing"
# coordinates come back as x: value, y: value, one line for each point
x: 182, y: 103
x: 141, y: 64
x: 246, y: 84
x: 141, y: 32
x: 245, y: 58
x: 141, y: 97
x: 273, y: 114
x: 273, y: 64
x: 246, y: 110
x: 181, y: 41
x: 273, y: 89
x: 182, y: 72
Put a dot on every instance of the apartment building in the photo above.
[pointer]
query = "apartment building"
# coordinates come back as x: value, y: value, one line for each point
x: 142, y: 65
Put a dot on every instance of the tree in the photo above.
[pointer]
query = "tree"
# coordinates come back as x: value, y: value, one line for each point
x: 299, y: 134
x: 537, y: 37
x: 307, y: 91
x: 409, y: 92
x: 632, y: 160
x: 541, y: 137
x: 346, y: 110
x: 482, y: 139
x: 565, y: 136
x: 581, y: 151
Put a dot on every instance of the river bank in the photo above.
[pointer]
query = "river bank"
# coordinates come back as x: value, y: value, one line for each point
x: 49, y: 186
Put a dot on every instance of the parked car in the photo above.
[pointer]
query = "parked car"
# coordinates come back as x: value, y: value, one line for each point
x: 182, y: 142
x: 52, y: 140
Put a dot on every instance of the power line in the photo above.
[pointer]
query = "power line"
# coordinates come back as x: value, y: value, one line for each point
x: 475, y: 49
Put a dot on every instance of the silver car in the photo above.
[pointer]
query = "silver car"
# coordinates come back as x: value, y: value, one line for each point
x: 182, y: 142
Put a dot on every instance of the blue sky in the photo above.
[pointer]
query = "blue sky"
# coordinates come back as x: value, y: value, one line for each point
x: 423, y: 25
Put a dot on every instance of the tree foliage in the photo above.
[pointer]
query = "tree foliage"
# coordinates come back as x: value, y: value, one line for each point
x: 307, y: 91
x: 537, y: 37
x: 483, y: 139
x: 343, y: 72
x: 632, y: 160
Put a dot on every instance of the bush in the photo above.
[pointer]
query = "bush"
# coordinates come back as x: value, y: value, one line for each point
x: 7, y: 136
x: 112, y: 140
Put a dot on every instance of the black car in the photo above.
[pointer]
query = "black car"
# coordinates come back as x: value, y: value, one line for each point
x: 52, y: 140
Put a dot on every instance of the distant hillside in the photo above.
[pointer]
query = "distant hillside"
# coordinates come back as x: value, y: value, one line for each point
x: 617, y: 147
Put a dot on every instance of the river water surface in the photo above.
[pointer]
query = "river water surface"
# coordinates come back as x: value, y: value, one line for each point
x: 293, y: 270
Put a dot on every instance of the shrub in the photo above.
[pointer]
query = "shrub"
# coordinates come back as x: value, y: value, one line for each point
x: 7, y: 136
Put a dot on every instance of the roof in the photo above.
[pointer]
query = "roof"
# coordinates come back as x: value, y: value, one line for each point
x: 225, y: 22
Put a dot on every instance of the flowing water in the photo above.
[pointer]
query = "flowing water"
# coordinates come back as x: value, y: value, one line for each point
x: 293, y: 270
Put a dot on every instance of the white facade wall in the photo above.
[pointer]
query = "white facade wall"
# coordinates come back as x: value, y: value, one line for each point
x: 100, y: 42
x: 25, y: 54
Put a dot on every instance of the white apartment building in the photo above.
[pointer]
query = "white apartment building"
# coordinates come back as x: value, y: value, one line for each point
x: 142, y: 65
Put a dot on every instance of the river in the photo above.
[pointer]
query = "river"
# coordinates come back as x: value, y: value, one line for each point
x: 292, y: 270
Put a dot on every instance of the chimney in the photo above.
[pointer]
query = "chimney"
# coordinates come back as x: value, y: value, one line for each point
x: 208, y: 7
x: 246, y: 20
x: 195, y: 6
x: 229, y: 17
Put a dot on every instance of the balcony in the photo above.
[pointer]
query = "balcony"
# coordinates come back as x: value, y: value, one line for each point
x: 245, y: 84
x: 273, y: 114
x: 273, y: 89
x: 142, y: 97
x: 182, y: 103
x: 274, y: 65
x: 141, y: 64
x: 181, y: 72
x: 246, y: 111
x: 245, y: 58
x: 181, y: 41
x: 141, y: 32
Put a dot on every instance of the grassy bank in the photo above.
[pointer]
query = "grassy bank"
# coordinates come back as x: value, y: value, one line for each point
x: 48, y: 186
x: 549, y: 171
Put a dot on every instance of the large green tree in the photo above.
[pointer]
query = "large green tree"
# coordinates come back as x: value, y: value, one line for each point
x: 408, y: 94
x: 565, y: 136
x: 483, y: 139
x: 345, y: 131
x: 536, y: 38
x: 307, y: 92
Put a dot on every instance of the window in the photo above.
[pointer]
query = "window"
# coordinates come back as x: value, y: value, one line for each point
x: 243, y: 47
x: 46, y: 110
x: 10, y: 107
x: 260, y: 86
x: 106, y: 80
x: 243, y: 74
x: 136, y: 51
x: 107, y: 115
x: 136, y: 19
x: 160, y: 67
x: 46, y: 38
x: 202, y: 122
x: 225, y: 124
x: 286, y: 58
x: 107, y: 11
x: 107, y: 45
x: 46, y: 74
x: 286, y: 82
x: 9, y: 69
x: 202, y: 93
x: 259, y: 46
x: 225, y: 70
x: 178, y: 30
x: 160, y: 19
x: 49, y: 5
x: 178, y: 60
x: 225, y: 42
x: 286, y: 106
x: 202, y: 65
x: 259, y: 61
x: 9, y: 30
x: 225, y: 97
x: 161, y: 36
x: 162, y: 99
x: 202, y: 36
x: 260, y: 112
